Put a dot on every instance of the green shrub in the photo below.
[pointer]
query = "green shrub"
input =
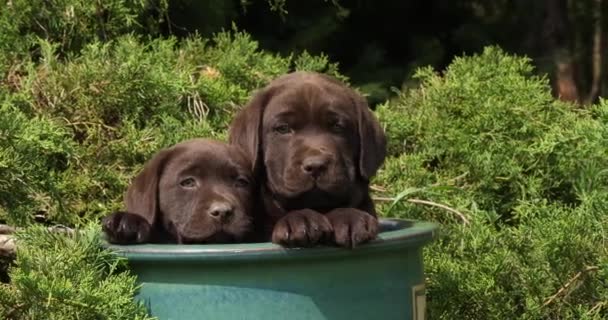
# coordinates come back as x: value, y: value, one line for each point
x: 74, y: 23
x: 71, y: 24
x: 477, y: 271
x: 106, y: 110
x: 34, y: 152
x: 490, y: 118
x: 60, y: 276
x: 75, y: 128
x: 525, y: 182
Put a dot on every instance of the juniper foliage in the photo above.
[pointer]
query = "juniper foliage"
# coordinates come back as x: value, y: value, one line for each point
x: 80, y: 118
x: 527, y: 177
x: 60, y: 276
x: 99, y: 115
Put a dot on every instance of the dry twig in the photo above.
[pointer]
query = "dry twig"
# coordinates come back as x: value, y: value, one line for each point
x: 569, y: 283
x: 461, y: 215
x: 377, y: 188
x: 383, y: 199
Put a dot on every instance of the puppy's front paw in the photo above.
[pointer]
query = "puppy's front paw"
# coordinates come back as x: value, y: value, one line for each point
x: 352, y: 226
x: 302, y: 228
x: 126, y: 228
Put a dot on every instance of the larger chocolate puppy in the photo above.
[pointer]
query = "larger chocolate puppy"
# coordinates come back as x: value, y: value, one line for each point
x: 315, y: 144
x: 197, y: 191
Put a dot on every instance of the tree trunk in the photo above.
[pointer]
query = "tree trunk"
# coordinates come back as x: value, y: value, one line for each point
x: 597, y: 53
x: 557, y: 41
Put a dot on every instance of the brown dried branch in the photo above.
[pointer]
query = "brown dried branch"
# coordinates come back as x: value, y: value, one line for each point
x: 569, y: 283
x: 377, y: 188
x: 462, y: 216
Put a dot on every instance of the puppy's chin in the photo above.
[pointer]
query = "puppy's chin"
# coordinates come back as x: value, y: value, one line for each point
x: 214, y: 233
x: 218, y: 237
x: 297, y: 185
x: 309, y: 189
x: 313, y: 198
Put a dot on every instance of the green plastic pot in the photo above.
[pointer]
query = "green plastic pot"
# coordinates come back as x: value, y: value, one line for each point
x: 383, y: 279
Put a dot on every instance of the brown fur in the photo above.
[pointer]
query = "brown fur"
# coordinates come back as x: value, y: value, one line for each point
x: 315, y: 144
x: 198, y: 191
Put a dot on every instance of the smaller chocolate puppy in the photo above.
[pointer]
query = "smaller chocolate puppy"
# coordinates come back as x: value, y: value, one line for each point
x: 197, y: 191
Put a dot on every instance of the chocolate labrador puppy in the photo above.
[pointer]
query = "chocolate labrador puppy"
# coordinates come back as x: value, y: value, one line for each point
x: 315, y: 144
x: 198, y: 191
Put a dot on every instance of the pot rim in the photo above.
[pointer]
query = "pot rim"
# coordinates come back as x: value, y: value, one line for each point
x: 396, y: 234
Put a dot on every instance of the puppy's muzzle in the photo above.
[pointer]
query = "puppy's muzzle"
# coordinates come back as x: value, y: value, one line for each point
x: 315, y: 166
x: 221, y: 211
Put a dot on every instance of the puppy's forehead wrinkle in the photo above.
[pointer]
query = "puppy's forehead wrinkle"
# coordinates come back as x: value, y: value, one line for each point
x: 285, y: 115
x: 313, y: 94
x: 206, y: 163
x: 304, y: 101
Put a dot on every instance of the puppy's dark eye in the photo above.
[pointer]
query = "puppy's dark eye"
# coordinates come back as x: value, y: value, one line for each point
x: 337, y: 127
x: 282, y: 128
x: 241, y: 182
x: 188, y: 183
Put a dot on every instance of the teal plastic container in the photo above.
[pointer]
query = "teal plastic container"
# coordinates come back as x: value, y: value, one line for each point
x: 383, y: 279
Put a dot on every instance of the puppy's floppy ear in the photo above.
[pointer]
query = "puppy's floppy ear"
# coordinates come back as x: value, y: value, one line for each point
x: 246, y: 128
x: 372, y: 140
x: 142, y: 194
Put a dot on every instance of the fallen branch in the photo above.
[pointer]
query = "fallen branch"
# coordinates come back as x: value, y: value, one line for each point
x: 462, y: 217
x: 569, y: 283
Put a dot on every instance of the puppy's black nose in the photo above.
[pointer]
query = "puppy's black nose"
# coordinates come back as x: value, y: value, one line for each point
x: 315, y: 166
x: 220, y: 210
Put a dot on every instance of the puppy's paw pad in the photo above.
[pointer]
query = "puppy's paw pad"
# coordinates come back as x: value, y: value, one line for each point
x: 126, y: 228
x: 302, y: 228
